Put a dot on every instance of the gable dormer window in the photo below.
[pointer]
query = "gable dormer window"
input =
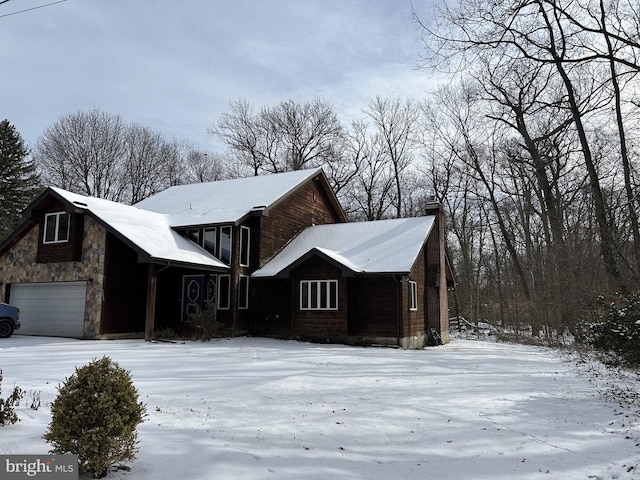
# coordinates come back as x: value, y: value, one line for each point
x: 56, y: 227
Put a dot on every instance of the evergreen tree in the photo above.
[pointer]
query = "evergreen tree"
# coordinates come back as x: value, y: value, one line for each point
x: 19, y: 181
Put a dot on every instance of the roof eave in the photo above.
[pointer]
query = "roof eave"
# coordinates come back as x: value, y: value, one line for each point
x: 144, y: 258
x: 286, y: 271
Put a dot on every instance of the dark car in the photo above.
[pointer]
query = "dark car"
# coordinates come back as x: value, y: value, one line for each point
x: 9, y: 320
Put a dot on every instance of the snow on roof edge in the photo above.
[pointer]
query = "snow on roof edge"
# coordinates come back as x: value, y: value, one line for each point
x: 377, y: 247
x: 146, y: 231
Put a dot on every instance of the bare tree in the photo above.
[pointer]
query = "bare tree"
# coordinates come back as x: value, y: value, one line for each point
x: 204, y: 166
x: 148, y: 164
x: 397, y: 125
x: 96, y: 153
x: 369, y: 195
x: 283, y: 137
x: 241, y: 130
x: 548, y: 34
x: 82, y: 152
x: 310, y: 134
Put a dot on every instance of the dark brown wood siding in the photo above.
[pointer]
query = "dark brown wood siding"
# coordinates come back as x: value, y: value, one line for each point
x: 125, y: 289
x: 70, y: 251
x: 415, y: 320
x: 374, y: 307
x: 306, y: 206
x: 273, y: 313
x: 319, y: 323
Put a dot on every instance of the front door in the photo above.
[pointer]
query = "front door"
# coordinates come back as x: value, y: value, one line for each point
x: 194, y: 294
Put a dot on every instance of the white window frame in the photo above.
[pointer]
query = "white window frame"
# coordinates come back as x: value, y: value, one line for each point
x: 245, y: 247
x: 228, y: 296
x: 413, y: 295
x: 306, y: 294
x: 243, y: 303
x: 56, y: 218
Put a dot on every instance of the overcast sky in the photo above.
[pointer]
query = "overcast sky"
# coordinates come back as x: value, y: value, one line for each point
x: 175, y: 65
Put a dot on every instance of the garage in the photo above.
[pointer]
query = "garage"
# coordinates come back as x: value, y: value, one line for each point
x: 54, y: 309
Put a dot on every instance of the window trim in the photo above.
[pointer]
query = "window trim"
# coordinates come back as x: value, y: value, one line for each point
x: 413, y: 295
x: 245, y: 247
x: 323, y: 295
x: 243, y: 303
x: 57, y: 216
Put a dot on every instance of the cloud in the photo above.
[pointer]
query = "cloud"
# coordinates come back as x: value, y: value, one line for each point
x: 174, y: 66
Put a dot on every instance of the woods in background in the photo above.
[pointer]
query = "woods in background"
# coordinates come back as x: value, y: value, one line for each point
x: 531, y: 145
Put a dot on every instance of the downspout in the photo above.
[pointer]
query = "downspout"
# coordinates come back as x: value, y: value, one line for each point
x: 160, y: 270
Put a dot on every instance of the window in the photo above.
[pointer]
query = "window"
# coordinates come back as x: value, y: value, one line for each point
x: 318, y: 295
x: 245, y: 235
x: 194, y: 235
x: 413, y: 295
x: 209, y: 240
x: 225, y: 244
x: 243, y: 292
x: 224, y: 289
x: 56, y: 227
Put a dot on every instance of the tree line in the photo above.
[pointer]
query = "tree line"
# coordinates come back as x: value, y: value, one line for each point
x: 536, y: 152
x: 531, y: 146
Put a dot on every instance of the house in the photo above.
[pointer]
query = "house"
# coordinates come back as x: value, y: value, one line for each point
x: 274, y: 255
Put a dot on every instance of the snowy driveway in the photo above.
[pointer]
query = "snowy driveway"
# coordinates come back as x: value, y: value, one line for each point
x: 257, y: 409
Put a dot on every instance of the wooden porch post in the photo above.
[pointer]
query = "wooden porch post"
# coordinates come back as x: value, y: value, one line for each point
x: 152, y: 280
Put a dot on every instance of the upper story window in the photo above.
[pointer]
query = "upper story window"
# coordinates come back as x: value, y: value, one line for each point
x: 225, y: 244
x: 318, y: 295
x: 245, y: 239
x: 194, y: 235
x: 413, y: 295
x: 56, y: 227
x: 209, y: 241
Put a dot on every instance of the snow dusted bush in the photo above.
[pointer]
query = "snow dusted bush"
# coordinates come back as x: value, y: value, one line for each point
x: 205, y: 326
x: 7, y: 413
x: 95, y: 416
x: 617, y: 329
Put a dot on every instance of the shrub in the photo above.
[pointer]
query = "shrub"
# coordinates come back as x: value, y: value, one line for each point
x: 617, y: 328
x: 7, y: 413
x: 95, y: 416
x: 205, y: 326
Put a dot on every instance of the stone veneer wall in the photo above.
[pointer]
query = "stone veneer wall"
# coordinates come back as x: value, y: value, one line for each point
x: 18, y: 265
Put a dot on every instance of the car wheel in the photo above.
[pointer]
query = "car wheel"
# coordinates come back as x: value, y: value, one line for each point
x: 6, y: 328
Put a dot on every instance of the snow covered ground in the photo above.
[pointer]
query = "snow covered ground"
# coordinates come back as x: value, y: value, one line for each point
x: 256, y: 409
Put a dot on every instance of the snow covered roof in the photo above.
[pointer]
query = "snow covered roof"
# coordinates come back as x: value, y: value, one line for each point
x: 385, y: 246
x: 223, y: 201
x: 149, y: 232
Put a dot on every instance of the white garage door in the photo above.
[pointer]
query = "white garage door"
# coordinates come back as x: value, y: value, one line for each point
x: 50, y: 309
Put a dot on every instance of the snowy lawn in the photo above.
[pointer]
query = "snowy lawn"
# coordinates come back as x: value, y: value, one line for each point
x: 254, y: 409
